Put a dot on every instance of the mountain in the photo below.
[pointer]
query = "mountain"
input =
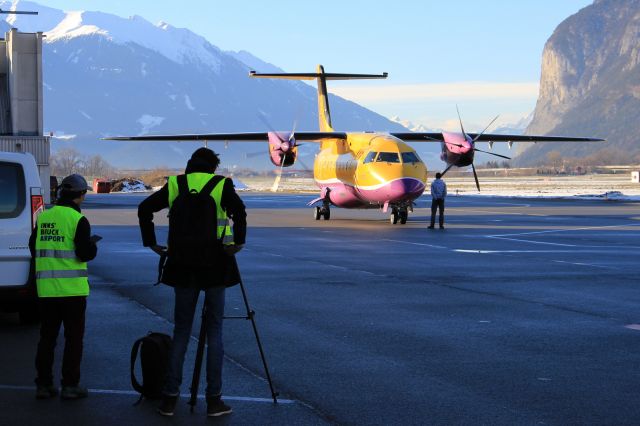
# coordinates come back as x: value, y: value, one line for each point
x: 106, y: 75
x: 590, y: 84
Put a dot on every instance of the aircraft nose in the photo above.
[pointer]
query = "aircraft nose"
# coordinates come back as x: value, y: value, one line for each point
x: 405, y: 188
x: 398, y: 190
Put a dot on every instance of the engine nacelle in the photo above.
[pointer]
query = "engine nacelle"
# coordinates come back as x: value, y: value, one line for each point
x: 283, y: 150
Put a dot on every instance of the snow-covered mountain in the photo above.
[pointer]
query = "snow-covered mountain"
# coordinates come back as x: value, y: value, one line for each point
x: 107, y: 75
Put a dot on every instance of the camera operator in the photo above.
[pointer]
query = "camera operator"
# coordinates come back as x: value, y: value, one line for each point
x: 190, y: 270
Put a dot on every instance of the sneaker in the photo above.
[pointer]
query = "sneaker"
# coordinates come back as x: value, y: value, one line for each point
x: 74, y: 392
x: 168, y: 405
x: 46, y: 391
x: 430, y: 227
x: 441, y: 226
x: 216, y: 407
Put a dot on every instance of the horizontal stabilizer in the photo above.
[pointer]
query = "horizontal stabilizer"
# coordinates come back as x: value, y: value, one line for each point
x: 313, y: 76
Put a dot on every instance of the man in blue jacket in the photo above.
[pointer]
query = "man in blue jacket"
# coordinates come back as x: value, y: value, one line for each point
x: 438, y: 194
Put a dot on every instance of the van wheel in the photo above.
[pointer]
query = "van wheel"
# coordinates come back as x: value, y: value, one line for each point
x: 29, y: 314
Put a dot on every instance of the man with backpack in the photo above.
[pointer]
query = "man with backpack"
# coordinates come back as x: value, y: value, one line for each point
x: 200, y: 257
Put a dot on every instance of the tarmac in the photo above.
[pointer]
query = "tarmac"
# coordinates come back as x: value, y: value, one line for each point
x: 521, y: 311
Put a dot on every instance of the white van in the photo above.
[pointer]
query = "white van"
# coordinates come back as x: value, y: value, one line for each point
x: 21, y: 200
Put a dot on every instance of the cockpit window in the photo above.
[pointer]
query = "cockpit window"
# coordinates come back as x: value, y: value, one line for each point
x: 370, y: 157
x: 410, y: 157
x: 388, y: 157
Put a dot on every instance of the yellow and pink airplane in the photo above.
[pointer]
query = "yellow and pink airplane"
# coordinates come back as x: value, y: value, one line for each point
x: 362, y: 169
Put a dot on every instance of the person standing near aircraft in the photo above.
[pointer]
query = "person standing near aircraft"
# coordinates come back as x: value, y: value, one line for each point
x: 192, y: 267
x: 61, y: 245
x: 438, y: 194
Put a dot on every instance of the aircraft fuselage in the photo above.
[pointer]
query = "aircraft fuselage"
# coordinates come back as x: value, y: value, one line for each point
x: 369, y: 170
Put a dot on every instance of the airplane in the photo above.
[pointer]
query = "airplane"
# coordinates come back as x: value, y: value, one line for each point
x: 361, y: 169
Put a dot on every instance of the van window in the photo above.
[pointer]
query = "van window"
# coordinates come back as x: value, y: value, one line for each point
x: 370, y: 157
x: 388, y: 157
x: 12, y: 190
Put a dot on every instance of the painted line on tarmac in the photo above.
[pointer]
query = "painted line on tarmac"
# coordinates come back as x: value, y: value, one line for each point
x: 134, y: 393
x: 415, y: 244
x: 584, y: 264
x: 511, y: 251
x: 562, y: 230
x: 507, y: 213
x: 497, y: 237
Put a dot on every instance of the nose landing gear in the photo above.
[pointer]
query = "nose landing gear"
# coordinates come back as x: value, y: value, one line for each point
x: 400, y: 213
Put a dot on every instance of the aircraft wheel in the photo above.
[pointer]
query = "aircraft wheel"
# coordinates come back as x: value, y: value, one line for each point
x: 393, y: 217
x: 327, y: 214
x: 316, y: 213
x: 403, y: 217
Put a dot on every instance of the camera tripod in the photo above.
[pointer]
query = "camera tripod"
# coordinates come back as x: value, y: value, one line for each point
x: 250, y: 315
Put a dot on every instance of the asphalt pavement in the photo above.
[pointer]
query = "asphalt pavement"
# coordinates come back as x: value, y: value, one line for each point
x: 521, y: 311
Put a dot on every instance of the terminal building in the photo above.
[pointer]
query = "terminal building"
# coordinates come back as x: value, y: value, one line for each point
x: 21, y: 103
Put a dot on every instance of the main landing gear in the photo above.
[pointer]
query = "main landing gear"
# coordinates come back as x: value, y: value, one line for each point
x: 400, y: 213
x: 325, y: 210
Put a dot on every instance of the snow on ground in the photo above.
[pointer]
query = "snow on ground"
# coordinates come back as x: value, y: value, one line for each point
x: 130, y: 185
x: 597, y: 187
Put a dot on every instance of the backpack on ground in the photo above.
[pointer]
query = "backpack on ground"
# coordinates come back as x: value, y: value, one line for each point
x: 193, y: 226
x: 154, y: 360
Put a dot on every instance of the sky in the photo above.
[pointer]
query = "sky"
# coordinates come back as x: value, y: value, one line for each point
x: 483, y: 56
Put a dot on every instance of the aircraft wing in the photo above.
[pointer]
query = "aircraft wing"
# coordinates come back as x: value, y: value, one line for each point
x: 488, y: 137
x: 236, y: 137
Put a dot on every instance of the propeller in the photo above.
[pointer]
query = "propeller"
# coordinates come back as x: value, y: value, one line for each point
x: 473, y: 141
x: 287, y: 144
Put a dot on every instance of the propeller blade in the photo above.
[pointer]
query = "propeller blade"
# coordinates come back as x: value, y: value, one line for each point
x: 276, y: 182
x: 446, y: 170
x: 293, y: 131
x: 485, y: 129
x: 461, y: 126
x: 475, y: 175
x: 264, y: 120
x: 492, y: 153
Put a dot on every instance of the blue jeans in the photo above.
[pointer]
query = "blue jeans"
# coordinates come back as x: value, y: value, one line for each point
x: 185, y: 305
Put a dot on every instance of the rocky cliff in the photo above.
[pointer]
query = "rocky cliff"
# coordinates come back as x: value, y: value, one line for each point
x: 590, y: 84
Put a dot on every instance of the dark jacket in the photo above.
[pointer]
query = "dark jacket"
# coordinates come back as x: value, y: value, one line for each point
x: 86, y: 250
x: 223, y: 273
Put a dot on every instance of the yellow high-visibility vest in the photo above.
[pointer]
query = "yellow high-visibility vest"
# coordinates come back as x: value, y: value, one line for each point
x: 196, y: 181
x: 59, y: 273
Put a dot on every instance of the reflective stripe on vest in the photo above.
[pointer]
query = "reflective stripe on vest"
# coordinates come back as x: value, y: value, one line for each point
x: 59, y: 273
x: 196, y: 181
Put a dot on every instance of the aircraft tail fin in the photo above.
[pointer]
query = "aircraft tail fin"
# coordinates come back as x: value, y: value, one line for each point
x: 324, y: 114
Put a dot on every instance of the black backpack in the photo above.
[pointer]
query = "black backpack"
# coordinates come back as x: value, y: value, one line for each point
x: 154, y: 360
x: 193, y: 226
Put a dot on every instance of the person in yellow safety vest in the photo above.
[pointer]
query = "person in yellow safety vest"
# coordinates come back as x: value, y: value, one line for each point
x: 188, y: 280
x: 61, y: 244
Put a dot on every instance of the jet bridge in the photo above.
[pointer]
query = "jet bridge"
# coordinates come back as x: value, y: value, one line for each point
x: 21, y: 105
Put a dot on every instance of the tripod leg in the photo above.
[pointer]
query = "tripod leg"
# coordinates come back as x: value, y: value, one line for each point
x: 195, y: 380
x: 250, y: 315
